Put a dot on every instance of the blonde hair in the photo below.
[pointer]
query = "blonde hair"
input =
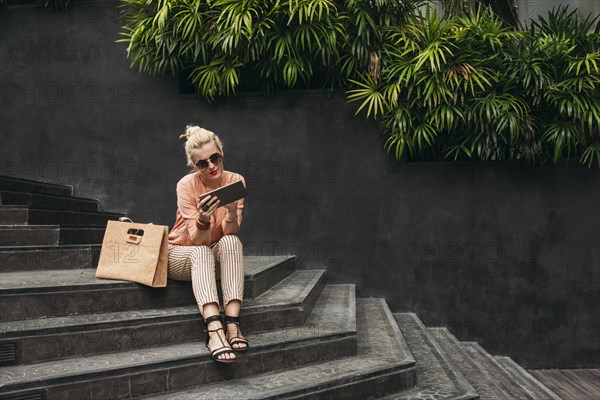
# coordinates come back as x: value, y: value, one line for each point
x: 197, y: 137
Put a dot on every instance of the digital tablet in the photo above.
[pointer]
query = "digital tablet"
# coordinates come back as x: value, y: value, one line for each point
x: 227, y: 194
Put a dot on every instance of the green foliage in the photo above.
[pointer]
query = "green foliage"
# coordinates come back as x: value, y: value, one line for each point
x: 457, y: 87
x: 264, y: 43
x: 468, y: 87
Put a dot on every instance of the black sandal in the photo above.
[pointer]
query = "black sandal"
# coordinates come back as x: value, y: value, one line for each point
x: 216, y: 353
x: 236, y: 339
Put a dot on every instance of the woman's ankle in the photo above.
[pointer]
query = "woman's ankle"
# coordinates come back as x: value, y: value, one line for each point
x: 233, y: 307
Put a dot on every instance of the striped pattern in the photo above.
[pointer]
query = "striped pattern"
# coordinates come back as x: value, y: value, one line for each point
x: 199, y: 265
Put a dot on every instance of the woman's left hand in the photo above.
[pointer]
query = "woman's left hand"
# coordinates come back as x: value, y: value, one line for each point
x: 231, y: 207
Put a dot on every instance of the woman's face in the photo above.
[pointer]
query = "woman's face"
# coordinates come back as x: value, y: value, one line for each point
x: 204, y: 156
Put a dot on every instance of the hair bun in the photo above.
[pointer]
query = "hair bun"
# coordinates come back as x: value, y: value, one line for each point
x: 189, y: 131
x: 196, y: 137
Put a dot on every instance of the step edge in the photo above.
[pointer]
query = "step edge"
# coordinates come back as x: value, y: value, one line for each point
x: 336, y: 383
x: 30, y: 227
x: 490, y: 376
x: 352, y: 309
x: 50, y: 210
x: 314, y: 389
x: 490, y: 381
x: 318, y: 275
x: 270, y: 267
x: 295, y: 303
x: 40, y: 247
x: 343, y: 329
x: 398, y: 335
x: 105, y: 284
x: 96, y: 213
x: 82, y: 199
x: 139, y: 321
x: 465, y: 386
x: 528, y: 377
x: 82, y: 228
x: 78, y: 327
x: 35, y: 182
x: 484, y: 353
x: 40, y: 290
x: 151, y: 365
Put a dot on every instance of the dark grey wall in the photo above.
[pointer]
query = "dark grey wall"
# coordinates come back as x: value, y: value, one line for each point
x: 504, y: 254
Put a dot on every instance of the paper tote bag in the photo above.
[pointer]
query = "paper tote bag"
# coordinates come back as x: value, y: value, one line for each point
x: 134, y: 252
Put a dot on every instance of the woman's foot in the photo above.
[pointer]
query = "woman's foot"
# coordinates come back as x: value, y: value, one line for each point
x: 217, y: 343
x: 234, y: 334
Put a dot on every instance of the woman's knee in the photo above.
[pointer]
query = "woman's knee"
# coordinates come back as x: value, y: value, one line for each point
x: 230, y: 242
x: 230, y: 247
x: 201, y: 253
x: 202, y: 258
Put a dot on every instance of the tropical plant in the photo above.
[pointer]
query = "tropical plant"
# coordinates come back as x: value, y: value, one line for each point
x: 264, y: 43
x: 439, y: 78
x: 466, y: 86
x: 559, y: 76
x: 506, y: 10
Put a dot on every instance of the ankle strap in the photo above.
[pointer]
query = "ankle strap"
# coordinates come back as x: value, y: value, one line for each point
x: 229, y: 318
x: 212, y: 319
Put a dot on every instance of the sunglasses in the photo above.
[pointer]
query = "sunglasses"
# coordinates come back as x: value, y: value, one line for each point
x: 214, y: 159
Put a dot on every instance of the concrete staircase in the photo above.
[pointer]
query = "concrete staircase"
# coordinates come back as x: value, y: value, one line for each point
x: 66, y: 335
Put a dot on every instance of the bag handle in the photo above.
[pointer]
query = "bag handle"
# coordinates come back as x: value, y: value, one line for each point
x: 132, y: 237
x: 127, y: 219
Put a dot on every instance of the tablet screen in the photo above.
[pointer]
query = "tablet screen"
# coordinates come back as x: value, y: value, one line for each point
x: 228, y: 193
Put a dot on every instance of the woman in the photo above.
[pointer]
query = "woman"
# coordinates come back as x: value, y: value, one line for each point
x: 204, y: 236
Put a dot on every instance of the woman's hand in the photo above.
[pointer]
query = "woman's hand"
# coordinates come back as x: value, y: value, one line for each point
x: 231, y: 207
x: 231, y: 215
x: 206, y: 207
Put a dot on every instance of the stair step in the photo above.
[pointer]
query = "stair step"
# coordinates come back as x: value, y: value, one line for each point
x: 382, y: 364
x: 525, y: 379
x: 496, y: 372
x: 438, y: 377
x: 55, y: 293
x: 329, y: 332
x: 24, y: 235
x: 82, y: 235
x: 13, y: 215
x: 287, y: 304
x: 30, y: 258
x: 30, y: 186
x: 266, y: 271
x: 22, y: 215
x: 36, y: 294
x: 486, y: 388
x: 48, y: 201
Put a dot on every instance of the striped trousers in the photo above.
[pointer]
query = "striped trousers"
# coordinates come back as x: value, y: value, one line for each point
x: 199, y: 265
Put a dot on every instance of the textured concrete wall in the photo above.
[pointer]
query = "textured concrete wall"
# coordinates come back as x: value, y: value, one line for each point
x: 504, y: 254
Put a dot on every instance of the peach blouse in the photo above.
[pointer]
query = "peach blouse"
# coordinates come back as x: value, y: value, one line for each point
x: 189, y: 188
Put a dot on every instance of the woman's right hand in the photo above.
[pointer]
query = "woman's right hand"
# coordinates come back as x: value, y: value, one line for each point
x: 212, y: 203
